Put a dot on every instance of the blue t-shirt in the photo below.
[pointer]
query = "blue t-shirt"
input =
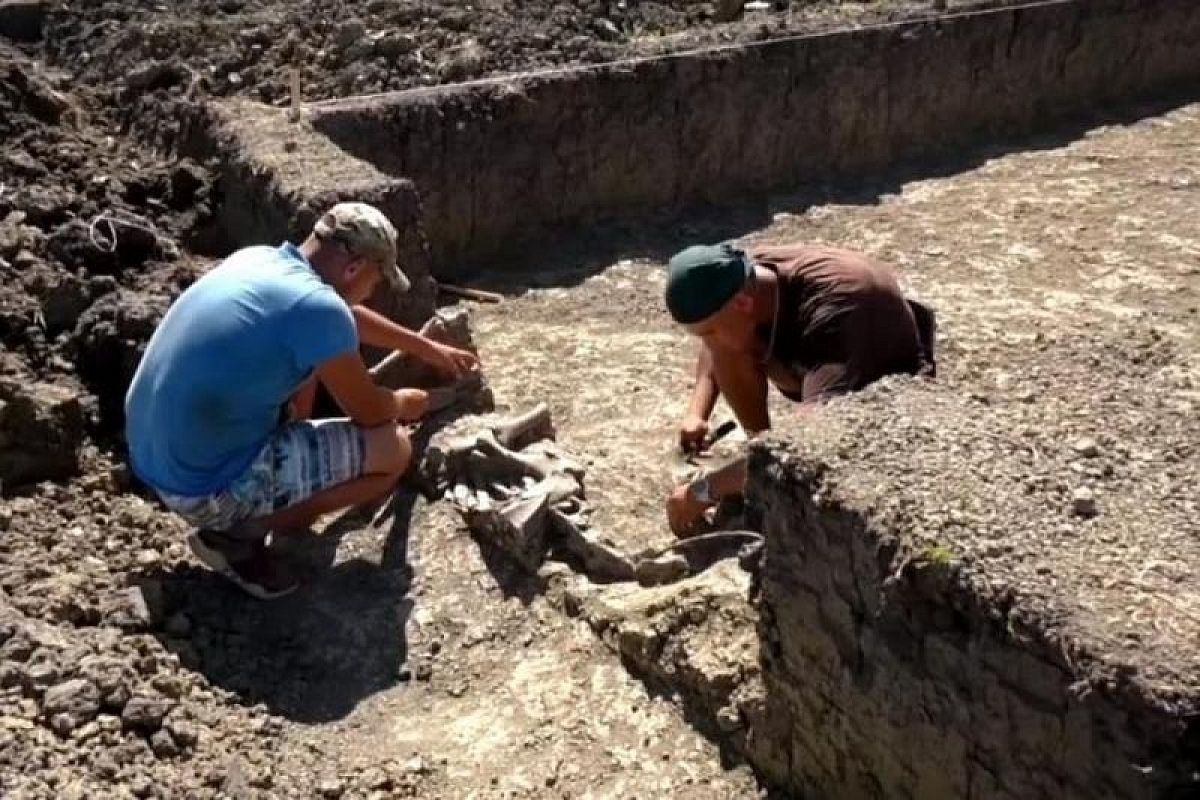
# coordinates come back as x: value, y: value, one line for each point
x: 225, y: 358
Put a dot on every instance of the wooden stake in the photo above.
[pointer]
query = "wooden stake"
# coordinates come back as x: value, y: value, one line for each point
x: 294, y: 114
x: 471, y: 294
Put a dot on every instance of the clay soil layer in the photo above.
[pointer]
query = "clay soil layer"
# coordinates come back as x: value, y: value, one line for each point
x: 416, y: 663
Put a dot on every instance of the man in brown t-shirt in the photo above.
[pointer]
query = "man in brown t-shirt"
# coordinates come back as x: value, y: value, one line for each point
x: 814, y: 321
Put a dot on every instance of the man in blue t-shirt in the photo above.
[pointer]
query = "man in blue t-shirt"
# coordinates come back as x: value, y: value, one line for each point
x: 251, y: 338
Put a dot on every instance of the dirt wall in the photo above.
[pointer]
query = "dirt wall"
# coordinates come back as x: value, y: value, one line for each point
x: 897, y: 681
x: 276, y: 176
x: 502, y: 161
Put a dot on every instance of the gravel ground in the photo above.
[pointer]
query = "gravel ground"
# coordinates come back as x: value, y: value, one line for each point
x: 246, y: 47
x: 1066, y: 279
x: 1058, y: 453
x: 1057, y: 458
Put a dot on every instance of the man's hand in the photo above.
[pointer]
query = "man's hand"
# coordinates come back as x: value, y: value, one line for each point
x: 684, y: 511
x: 692, y: 433
x: 451, y: 361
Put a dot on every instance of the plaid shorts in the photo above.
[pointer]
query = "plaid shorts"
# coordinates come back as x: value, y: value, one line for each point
x: 299, y: 460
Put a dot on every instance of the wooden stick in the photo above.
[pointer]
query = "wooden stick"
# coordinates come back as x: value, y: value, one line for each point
x: 471, y: 294
x: 294, y: 113
x: 385, y: 362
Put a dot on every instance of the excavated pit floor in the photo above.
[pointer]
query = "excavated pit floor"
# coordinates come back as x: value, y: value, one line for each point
x: 1089, y: 237
x: 413, y: 645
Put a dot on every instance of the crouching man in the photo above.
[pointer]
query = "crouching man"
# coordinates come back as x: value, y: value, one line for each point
x: 216, y: 414
x: 814, y: 321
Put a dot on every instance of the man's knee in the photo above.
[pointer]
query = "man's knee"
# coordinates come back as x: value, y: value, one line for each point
x: 389, y: 450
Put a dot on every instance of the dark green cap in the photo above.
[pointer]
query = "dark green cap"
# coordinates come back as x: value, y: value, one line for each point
x: 702, y: 278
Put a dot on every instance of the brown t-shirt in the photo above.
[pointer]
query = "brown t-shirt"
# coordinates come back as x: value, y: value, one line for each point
x: 843, y: 319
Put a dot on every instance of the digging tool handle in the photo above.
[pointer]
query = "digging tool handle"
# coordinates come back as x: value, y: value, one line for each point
x: 719, y: 433
x: 471, y: 294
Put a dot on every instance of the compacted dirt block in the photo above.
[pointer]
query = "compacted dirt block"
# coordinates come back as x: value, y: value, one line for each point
x: 41, y: 431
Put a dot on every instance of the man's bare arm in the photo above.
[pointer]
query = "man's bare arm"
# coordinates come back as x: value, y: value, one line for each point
x: 705, y: 392
x: 366, y: 404
x: 379, y: 331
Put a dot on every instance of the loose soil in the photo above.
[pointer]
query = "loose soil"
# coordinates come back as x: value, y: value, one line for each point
x: 416, y: 662
x: 246, y: 47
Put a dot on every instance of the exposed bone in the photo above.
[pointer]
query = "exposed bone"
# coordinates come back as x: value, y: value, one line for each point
x: 667, y: 568
x: 520, y: 528
x: 599, y: 560
x: 553, y: 459
x: 519, y: 463
x: 517, y: 432
x: 558, y: 488
x: 398, y: 369
x: 435, y: 328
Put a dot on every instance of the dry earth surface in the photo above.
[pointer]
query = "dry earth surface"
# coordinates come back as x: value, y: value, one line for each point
x: 416, y: 663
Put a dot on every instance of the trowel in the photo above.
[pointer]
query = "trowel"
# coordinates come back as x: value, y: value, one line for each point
x: 684, y: 466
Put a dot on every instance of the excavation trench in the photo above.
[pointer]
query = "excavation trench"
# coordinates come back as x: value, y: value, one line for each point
x: 941, y: 610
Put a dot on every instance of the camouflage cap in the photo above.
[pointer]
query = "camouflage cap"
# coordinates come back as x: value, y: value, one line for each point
x: 367, y: 233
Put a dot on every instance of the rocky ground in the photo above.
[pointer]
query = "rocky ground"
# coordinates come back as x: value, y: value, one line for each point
x: 417, y: 663
x: 246, y: 47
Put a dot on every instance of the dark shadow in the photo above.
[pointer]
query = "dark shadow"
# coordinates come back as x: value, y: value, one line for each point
x: 311, y: 656
x: 513, y: 579
x: 566, y: 255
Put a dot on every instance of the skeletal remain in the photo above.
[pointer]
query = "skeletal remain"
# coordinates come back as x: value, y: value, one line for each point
x: 518, y: 432
x: 600, y: 561
x: 518, y: 463
x: 527, y: 497
x: 666, y: 568
x: 435, y: 328
x: 520, y: 527
x: 397, y: 369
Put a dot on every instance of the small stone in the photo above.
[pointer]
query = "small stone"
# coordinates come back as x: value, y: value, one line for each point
x: 145, y: 713
x: 184, y: 733
x: 606, y: 29
x: 163, y: 745
x: 141, y: 786
x: 77, y: 698
x: 62, y: 724
x: 43, y: 674
x: 106, y: 766
x: 171, y: 686
x: 85, y: 732
x: 1083, y: 503
x: 395, y: 44
x: 1086, y: 447
x: 376, y: 778
x: 330, y: 788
